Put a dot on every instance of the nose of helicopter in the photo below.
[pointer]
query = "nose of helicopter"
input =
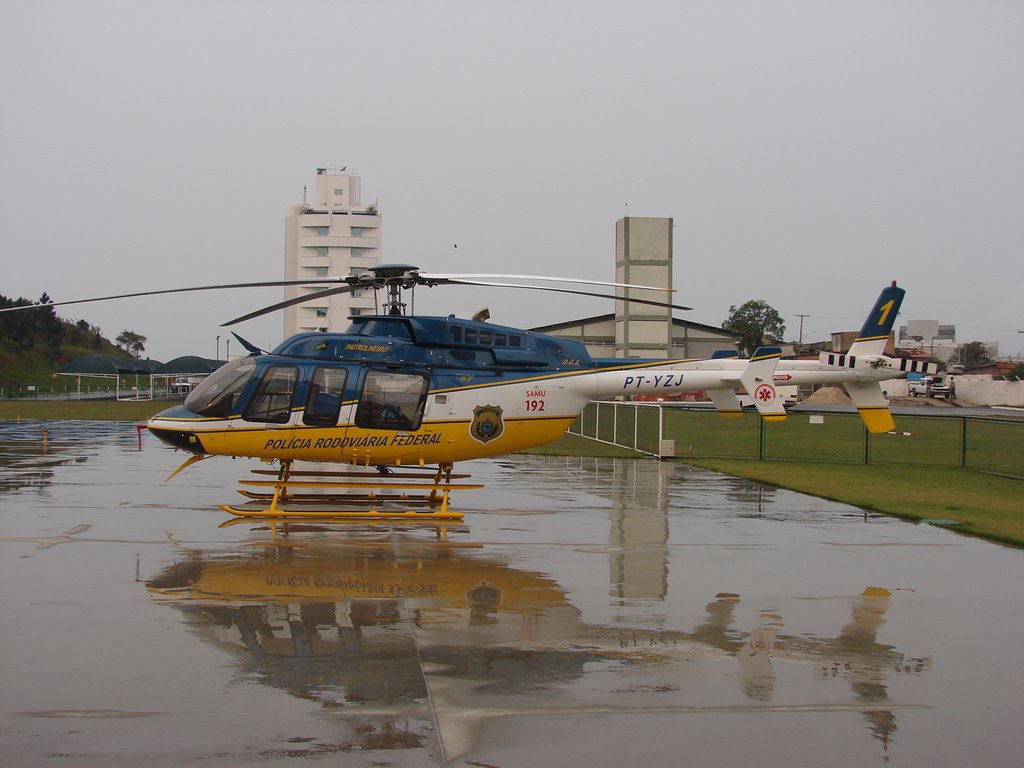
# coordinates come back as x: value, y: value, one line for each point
x: 172, y: 426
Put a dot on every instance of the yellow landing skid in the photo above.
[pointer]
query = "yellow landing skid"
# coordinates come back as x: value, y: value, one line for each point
x: 377, y: 496
x: 430, y: 494
x: 278, y: 513
x: 328, y: 520
x: 383, y: 484
x: 433, y: 474
x: 321, y: 498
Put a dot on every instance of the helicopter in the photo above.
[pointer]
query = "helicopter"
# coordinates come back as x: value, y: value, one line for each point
x: 399, y: 389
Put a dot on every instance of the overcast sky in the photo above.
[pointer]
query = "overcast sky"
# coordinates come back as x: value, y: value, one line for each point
x: 809, y: 152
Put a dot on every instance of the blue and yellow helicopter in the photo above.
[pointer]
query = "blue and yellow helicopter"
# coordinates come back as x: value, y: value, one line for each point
x: 398, y: 390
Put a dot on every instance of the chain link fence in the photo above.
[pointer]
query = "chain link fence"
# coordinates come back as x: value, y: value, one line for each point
x: 673, y: 430
x: 55, y: 391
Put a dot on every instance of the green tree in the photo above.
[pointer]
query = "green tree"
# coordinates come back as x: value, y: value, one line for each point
x: 28, y: 327
x: 131, y: 342
x: 78, y: 331
x: 50, y: 327
x: 14, y: 326
x: 754, y: 321
x: 974, y: 354
x: 1016, y: 373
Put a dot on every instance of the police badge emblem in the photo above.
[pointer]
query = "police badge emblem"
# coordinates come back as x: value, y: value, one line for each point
x: 487, y: 423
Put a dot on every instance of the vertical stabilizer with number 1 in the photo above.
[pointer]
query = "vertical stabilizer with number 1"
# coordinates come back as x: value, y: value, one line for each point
x: 867, y: 396
x: 874, y: 334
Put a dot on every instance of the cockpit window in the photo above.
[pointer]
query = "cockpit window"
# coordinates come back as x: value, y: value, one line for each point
x: 392, y: 400
x: 217, y: 395
x: 325, y: 394
x: 273, y: 399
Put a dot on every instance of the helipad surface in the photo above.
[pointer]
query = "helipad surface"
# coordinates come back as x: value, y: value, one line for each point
x: 591, y: 612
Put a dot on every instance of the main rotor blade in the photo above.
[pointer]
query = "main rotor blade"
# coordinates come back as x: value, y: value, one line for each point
x: 457, y: 277
x: 292, y: 302
x: 569, y: 290
x: 444, y: 280
x: 267, y: 284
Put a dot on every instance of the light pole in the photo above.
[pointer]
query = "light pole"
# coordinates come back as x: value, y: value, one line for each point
x: 227, y: 347
x: 218, y: 349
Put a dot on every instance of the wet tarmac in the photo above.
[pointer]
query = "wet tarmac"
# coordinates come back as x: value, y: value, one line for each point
x: 599, y: 612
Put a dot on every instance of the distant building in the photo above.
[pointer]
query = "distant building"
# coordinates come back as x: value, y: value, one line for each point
x: 332, y: 234
x: 926, y: 330
x: 937, y: 341
x: 928, y: 336
x: 688, y: 339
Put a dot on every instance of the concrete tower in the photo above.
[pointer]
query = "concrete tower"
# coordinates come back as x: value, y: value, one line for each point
x: 643, y: 255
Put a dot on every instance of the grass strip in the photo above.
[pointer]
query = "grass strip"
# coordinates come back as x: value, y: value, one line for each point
x: 83, y: 410
x: 984, y: 505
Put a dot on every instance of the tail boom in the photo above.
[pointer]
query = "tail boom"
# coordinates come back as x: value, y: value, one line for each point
x: 859, y: 371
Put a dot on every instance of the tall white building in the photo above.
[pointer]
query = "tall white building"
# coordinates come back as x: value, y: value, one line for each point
x: 331, y: 235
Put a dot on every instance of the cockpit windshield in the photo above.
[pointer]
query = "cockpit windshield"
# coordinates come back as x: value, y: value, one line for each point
x: 218, y: 394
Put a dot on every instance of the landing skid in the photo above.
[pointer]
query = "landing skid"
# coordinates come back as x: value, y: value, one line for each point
x: 286, y: 526
x: 320, y: 498
x: 286, y: 512
x: 383, y: 495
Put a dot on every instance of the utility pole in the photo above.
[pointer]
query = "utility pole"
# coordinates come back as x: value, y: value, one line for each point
x: 801, y: 341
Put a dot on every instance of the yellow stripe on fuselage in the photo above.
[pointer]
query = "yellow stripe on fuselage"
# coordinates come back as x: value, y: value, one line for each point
x: 433, y: 442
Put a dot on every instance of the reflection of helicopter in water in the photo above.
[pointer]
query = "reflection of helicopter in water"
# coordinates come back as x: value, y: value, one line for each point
x: 377, y: 629
x: 27, y: 463
x: 399, y: 390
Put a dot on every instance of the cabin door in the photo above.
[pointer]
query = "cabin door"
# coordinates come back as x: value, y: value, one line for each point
x: 268, y: 418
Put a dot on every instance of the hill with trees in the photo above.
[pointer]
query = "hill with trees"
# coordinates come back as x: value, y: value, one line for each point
x: 35, y: 342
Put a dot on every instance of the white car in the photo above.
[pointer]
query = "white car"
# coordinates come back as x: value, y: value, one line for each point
x: 930, y: 386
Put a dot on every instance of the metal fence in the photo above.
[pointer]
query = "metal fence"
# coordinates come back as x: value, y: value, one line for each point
x: 675, y: 430
x: 53, y: 391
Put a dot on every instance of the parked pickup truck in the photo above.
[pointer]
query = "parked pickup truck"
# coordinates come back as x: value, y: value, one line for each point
x: 932, y: 386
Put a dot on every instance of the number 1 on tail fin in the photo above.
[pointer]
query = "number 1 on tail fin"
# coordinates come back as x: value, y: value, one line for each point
x: 867, y: 396
x: 876, y: 329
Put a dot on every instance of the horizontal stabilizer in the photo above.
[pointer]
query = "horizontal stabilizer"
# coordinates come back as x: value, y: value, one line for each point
x: 718, y: 354
x: 757, y: 381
